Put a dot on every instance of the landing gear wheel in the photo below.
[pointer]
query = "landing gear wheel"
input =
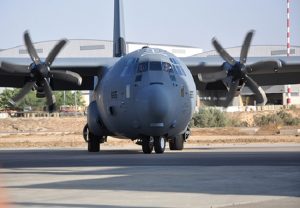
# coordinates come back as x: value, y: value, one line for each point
x: 176, y: 142
x: 147, y: 145
x: 92, y: 140
x: 159, y: 144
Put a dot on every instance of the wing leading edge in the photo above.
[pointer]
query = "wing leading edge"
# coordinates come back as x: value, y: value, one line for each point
x: 87, y: 68
x: 266, y: 71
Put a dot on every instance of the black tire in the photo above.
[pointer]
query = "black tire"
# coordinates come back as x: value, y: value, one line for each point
x: 85, y: 132
x: 93, y: 143
x: 176, y: 143
x: 147, y: 145
x: 159, y: 145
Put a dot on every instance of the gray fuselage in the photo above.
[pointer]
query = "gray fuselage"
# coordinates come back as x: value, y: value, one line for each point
x: 149, y: 92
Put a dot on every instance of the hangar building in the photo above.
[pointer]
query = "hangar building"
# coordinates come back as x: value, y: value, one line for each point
x: 103, y: 48
x: 93, y: 48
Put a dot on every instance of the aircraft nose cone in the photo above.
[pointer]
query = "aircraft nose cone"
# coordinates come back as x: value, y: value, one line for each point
x: 158, y: 104
x: 153, y: 103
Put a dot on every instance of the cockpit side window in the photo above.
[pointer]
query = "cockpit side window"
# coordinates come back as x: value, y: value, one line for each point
x: 142, y: 67
x: 167, y: 67
x: 129, y: 66
x: 177, y: 67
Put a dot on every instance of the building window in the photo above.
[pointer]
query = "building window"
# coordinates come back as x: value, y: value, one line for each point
x: 24, y: 51
x: 295, y: 94
x: 282, y: 52
x: 92, y: 47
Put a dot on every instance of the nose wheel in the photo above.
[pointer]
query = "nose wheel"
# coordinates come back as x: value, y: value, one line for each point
x: 159, y: 144
x: 156, y: 143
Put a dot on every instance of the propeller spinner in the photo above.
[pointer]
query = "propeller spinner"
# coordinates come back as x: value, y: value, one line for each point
x: 39, y: 73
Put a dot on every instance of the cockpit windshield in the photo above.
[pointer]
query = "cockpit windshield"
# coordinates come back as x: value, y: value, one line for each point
x: 154, y: 66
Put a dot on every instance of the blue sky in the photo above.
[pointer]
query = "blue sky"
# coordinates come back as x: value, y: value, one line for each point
x: 179, y: 22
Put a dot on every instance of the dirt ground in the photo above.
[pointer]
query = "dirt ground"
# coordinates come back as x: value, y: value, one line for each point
x: 67, y: 132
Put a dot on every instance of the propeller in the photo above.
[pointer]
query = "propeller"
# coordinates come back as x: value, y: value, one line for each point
x: 239, y: 71
x: 38, y: 73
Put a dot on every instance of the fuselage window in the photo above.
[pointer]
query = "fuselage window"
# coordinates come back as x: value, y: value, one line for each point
x: 155, y: 66
x: 138, y: 78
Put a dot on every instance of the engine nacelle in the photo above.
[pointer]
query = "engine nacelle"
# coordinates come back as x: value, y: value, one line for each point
x: 95, y: 124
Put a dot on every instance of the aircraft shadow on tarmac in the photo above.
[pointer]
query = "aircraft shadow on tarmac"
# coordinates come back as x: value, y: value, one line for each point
x: 231, y: 180
x: 80, y: 158
x: 239, y: 173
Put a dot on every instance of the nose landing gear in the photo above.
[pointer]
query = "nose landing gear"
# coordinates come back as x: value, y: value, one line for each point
x: 156, y: 143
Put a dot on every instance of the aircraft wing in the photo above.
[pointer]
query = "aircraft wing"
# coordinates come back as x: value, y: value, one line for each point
x: 87, y: 68
x: 264, y: 70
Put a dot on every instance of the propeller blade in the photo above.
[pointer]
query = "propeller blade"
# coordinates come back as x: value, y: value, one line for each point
x: 260, y: 95
x: 54, y: 52
x: 222, y: 52
x: 231, y: 93
x: 212, y: 77
x: 30, y: 48
x: 13, y: 68
x: 49, y: 95
x: 246, y: 46
x: 67, y: 76
x: 26, y: 89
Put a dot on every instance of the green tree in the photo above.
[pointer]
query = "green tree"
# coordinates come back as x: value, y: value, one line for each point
x: 4, y: 98
x: 69, y: 98
x: 39, y: 103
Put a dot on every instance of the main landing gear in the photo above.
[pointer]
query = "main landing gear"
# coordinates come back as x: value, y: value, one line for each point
x: 177, y: 142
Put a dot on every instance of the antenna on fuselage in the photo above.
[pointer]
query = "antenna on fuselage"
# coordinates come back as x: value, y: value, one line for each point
x: 119, y: 45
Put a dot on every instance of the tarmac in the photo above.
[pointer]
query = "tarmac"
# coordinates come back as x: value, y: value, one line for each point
x: 242, y: 176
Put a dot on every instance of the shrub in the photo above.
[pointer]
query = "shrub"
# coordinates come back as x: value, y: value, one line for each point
x: 209, y: 117
x: 281, y: 118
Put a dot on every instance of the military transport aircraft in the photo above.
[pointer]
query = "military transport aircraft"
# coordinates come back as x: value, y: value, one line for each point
x: 148, y: 95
